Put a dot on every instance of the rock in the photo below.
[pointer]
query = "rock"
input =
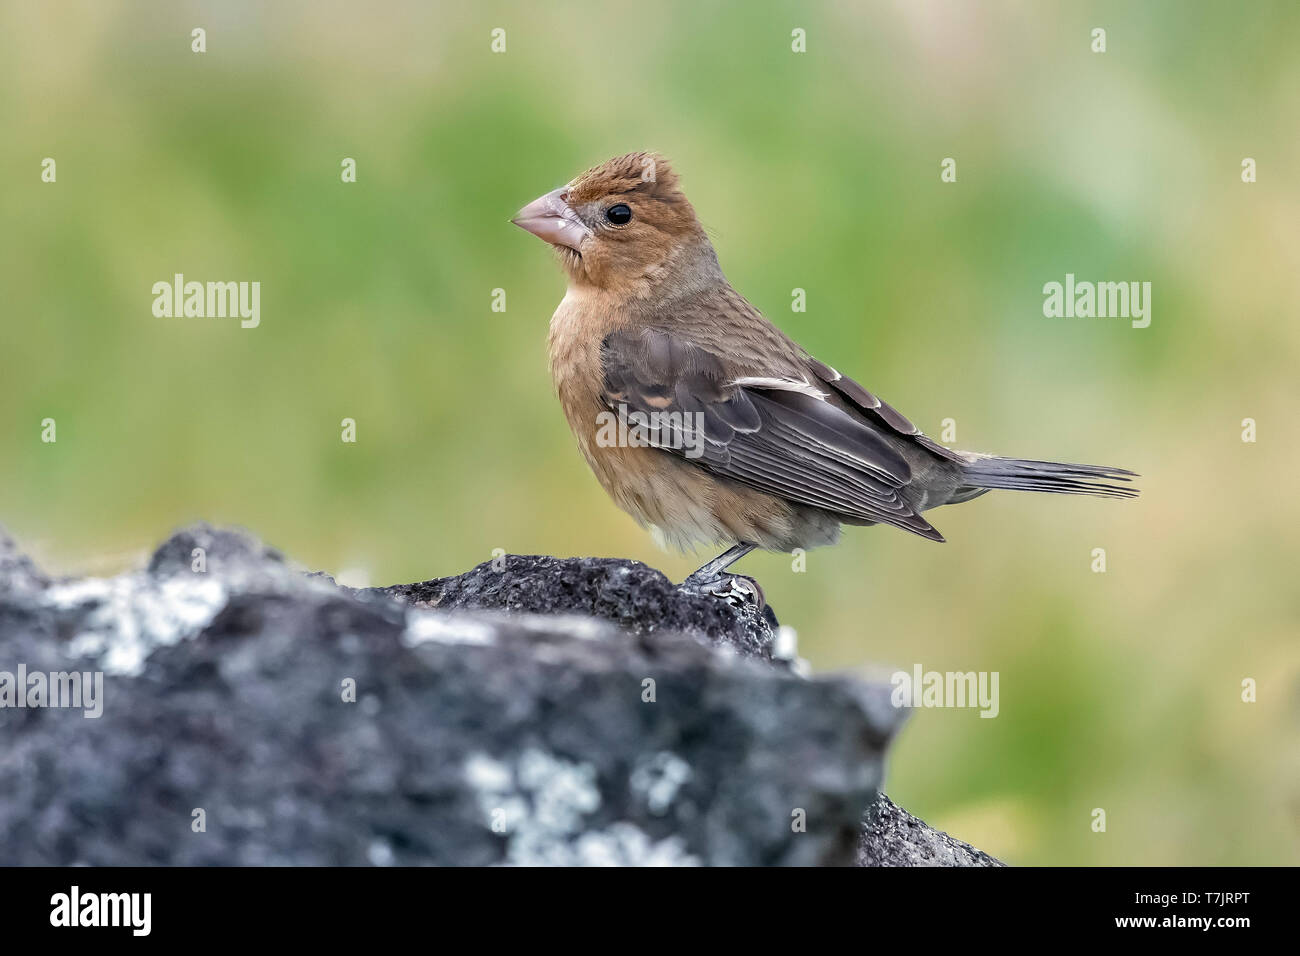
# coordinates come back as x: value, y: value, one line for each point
x: 626, y: 593
x: 17, y: 572
x: 893, y: 837
x: 544, y: 712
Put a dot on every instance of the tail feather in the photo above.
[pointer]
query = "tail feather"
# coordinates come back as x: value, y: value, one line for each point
x: 1023, y: 474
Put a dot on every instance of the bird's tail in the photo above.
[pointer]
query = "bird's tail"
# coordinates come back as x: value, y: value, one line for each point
x: 983, y: 472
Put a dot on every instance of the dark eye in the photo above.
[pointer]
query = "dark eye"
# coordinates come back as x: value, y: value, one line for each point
x: 619, y: 215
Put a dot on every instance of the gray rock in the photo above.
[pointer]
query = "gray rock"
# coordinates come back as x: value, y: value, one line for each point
x: 225, y: 694
x: 498, y: 717
x: 626, y: 593
x: 893, y: 837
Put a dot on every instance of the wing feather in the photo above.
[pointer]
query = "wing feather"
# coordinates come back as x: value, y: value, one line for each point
x: 777, y: 434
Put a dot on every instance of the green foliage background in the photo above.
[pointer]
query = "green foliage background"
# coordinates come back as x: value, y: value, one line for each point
x: 820, y: 171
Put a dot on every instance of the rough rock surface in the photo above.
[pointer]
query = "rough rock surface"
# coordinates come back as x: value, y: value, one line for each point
x: 627, y: 593
x: 893, y: 837
x: 502, y: 716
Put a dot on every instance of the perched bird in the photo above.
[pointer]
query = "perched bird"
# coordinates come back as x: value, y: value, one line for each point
x: 728, y: 432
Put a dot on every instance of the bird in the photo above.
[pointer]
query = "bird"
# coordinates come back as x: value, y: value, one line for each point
x: 708, y: 424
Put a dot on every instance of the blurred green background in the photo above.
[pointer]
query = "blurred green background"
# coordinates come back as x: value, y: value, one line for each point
x: 818, y: 171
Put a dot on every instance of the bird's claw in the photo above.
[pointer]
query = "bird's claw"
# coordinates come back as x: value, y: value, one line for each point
x: 736, y: 589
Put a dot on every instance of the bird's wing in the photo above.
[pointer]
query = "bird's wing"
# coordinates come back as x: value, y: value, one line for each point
x: 862, y: 400
x: 779, y: 435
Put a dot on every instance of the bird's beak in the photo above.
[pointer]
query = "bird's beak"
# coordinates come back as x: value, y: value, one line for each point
x: 549, y: 217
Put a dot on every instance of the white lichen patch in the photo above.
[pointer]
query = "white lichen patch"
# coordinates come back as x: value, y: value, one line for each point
x: 380, y: 853
x: 425, y: 626
x: 484, y: 774
x: 785, y: 647
x: 785, y: 643
x: 126, y: 617
x: 562, y: 793
x: 568, y: 625
x: 657, y: 779
x: 544, y: 802
x: 121, y: 620
x: 622, y: 844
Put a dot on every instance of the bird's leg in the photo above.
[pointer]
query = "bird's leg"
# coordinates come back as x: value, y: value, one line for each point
x: 736, y: 589
x: 713, y: 570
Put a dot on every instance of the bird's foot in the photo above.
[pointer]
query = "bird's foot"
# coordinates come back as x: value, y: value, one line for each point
x: 736, y: 589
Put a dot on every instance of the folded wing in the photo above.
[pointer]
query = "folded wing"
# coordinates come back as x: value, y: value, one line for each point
x: 780, y: 435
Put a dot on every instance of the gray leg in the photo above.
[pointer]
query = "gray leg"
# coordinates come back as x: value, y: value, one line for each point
x: 713, y: 570
x: 735, y: 589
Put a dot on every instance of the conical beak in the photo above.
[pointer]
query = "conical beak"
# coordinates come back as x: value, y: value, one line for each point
x: 550, y: 218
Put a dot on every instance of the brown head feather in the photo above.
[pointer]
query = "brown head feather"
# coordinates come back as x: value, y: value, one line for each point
x: 643, y: 173
x: 662, y: 246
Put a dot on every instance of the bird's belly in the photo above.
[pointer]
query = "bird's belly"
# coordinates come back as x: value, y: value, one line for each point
x: 684, y: 505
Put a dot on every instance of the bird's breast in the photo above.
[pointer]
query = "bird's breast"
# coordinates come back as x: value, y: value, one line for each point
x: 680, y: 501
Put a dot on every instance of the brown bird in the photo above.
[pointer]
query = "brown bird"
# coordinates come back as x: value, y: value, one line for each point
x: 703, y: 420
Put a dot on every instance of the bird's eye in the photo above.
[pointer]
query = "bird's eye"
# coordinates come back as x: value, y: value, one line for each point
x: 619, y: 215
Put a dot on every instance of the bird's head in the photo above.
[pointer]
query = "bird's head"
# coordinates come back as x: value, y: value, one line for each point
x: 623, y: 226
